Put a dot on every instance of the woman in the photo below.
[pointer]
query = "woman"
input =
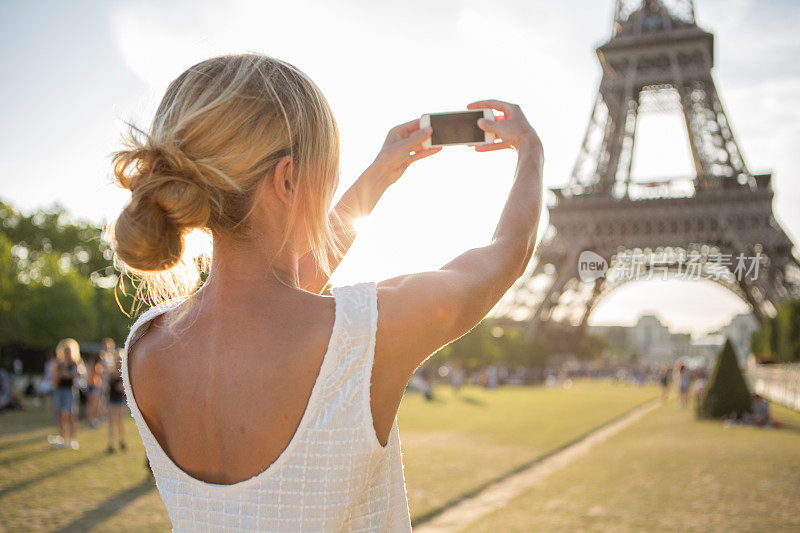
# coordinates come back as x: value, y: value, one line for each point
x: 94, y: 394
x: 262, y: 404
x: 68, y: 370
x: 116, y: 409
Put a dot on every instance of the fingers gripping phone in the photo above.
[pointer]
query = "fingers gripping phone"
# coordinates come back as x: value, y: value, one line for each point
x: 456, y: 127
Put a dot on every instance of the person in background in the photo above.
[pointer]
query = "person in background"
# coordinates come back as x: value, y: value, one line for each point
x: 94, y: 394
x: 427, y: 382
x: 684, y: 383
x: 46, y: 385
x: 108, y: 358
x: 665, y: 377
x: 492, y: 377
x: 456, y: 376
x: 116, y: 408
x: 700, y: 389
x: 760, y: 415
x: 5, y: 389
x: 69, y: 369
x: 9, y: 398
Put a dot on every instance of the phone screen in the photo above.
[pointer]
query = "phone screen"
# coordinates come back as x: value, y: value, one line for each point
x: 455, y: 128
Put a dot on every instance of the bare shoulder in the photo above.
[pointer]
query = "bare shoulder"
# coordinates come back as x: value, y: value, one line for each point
x: 416, y: 313
x: 148, y: 362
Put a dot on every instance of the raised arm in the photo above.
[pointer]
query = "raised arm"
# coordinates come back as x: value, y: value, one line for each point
x: 402, y: 147
x: 419, y: 313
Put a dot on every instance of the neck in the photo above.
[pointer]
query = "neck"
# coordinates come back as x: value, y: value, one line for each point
x: 243, y: 270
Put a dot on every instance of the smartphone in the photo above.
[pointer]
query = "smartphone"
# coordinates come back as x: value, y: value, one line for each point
x: 456, y: 127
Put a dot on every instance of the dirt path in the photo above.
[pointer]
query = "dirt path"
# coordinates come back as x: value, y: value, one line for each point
x: 497, y: 495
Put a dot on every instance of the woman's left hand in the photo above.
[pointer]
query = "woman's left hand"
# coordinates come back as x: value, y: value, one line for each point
x: 402, y: 147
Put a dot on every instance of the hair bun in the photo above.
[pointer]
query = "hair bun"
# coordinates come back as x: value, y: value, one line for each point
x: 167, y: 201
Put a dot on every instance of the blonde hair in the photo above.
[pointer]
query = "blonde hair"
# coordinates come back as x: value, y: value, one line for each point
x: 221, y: 128
x: 69, y: 350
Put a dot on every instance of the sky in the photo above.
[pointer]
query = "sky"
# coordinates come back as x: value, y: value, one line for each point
x: 73, y: 72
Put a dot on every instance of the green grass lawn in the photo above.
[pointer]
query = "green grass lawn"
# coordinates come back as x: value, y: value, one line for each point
x: 42, y: 489
x: 669, y: 472
x: 456, y: 445
x: 452, y: 447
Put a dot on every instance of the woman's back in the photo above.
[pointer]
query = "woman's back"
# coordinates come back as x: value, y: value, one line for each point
x: 274, y: 449
x: 224, y: 388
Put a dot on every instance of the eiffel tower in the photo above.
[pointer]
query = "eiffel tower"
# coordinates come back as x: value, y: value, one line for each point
x: 657, y: 59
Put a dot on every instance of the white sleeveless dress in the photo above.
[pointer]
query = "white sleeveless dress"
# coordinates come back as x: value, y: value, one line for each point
x: 333, y: 476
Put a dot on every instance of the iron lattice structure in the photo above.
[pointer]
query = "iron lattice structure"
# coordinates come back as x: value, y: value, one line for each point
x: 657, y: 59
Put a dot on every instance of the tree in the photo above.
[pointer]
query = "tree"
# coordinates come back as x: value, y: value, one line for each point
x: 476, y: 349
x: 727, y: 391
x: 9, y: 291
x: 760, y: 343
x: 518, y: 351
x: 492, y: 345
x: 778, y: 339
x: 52, y: 231
x: 60, y: 304
x: 787, y: 324
x: 56, y: 281
x: 591, y: 347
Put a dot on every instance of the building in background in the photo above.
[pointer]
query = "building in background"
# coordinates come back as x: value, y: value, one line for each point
x: 652, y: 342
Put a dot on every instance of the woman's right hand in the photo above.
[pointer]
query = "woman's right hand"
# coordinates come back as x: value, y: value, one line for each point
x: 511, y: 128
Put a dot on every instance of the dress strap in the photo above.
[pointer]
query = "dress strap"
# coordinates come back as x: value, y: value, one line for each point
x: 349, y: 370
x: 137, y: 331
x: 142, y: 324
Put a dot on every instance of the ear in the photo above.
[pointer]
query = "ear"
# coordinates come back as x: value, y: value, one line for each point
x: 282, y: 180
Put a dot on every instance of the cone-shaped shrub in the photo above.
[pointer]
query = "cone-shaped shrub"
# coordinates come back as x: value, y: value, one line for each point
x: 726, y: 391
